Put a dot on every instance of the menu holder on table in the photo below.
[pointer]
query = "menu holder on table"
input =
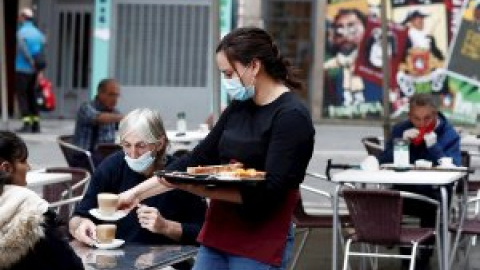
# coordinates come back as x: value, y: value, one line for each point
x: 208, y: 180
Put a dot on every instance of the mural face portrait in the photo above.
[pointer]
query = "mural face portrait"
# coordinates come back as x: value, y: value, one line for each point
x: 348, y: 29
x: 418, y: 22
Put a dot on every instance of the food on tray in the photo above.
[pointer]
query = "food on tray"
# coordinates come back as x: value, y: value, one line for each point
x: 234, y: 170
x: 214, y: 169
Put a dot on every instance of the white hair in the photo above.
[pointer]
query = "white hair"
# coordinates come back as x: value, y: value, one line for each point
x: 144, y: 122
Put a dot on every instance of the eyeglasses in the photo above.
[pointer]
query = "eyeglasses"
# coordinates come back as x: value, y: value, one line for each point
x: 140, y: 146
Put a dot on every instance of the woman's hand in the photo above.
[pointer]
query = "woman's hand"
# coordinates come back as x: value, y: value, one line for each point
x: 170, y: 185
x: 127, y: 200
x: 86, y: 232
x: 164, y: 182
x: 151, y: 219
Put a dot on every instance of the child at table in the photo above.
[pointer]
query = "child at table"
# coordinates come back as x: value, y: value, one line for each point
x: 29, y: 231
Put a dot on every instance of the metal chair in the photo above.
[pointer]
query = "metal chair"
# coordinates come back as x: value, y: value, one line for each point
x: 74, y: 155
x: 469, y: 226
x: 63, y: 196
x: 376, y: 216
x: 305, y: 223
x: 373, y: 146
x: 103, y: 150
x: 472, y: 185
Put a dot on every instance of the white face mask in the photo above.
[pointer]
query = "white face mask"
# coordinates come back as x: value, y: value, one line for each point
x: 236, y: 90
x: 140, y: 164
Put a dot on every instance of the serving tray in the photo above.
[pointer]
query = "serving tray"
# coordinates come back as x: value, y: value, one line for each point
x: 209, y: 180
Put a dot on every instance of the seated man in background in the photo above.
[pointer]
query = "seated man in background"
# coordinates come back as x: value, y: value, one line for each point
x: 97, y: 120
x: 430, y: 134
x: 432, y: 138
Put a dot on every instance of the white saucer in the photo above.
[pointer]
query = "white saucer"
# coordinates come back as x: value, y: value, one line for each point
x: 116, y: 216
x: 116, y: 243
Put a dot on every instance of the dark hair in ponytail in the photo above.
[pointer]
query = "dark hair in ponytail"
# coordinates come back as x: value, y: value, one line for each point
x: 248, y: 43
x: 12, y: 149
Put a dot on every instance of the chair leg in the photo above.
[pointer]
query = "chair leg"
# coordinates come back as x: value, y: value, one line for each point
x: 438, y: 244
x: 300, y: 248
x: 373, y: 260
x: 347, y: 254
x: 463, y: 262
x: 413, y: 256
x: 454, y: 248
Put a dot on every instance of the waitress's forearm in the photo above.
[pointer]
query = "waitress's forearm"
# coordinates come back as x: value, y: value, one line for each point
x: 149, y: 188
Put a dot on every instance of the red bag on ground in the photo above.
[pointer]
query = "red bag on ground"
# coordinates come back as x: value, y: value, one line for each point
x: 45, y: 95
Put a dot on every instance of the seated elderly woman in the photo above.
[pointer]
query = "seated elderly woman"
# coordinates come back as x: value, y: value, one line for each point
x: 173, y: 217
x: 30, y: 233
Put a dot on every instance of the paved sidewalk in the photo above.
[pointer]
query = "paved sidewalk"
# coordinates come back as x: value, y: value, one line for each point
x: 43, y: 148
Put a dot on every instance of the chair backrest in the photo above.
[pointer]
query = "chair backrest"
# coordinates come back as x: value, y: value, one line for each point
x: 62, y: 196
x: 373, y: 146
x: 376, y: 215
x: 303, y: 220
x: 74, y: 155
x: 103, y: 150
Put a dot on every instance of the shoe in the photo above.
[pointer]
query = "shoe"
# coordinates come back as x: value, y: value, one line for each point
x: 36, y: 127
x: 26, y: 128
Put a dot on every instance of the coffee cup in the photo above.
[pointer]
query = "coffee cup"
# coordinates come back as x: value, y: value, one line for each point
x: 446, y: 162
x: 107, y: 203
x: 106, y: 233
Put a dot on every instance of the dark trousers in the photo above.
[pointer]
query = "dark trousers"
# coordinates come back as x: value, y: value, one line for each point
x: 25, y: 89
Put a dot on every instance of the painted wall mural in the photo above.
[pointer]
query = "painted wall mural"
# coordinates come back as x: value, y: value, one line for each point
x: 419, y: 35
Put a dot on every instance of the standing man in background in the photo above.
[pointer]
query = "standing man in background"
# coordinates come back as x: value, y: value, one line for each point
x: 97, y: 120
x: 30, y: 45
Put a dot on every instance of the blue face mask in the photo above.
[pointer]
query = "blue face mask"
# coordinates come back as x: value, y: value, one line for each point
x: 236, y: 90
x: 140, y: 164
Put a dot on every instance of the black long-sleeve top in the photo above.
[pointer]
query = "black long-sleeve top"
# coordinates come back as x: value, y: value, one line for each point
x: 114, y: 176
x: 277, y: 138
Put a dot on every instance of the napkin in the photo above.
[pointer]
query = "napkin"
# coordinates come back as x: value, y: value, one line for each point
x: 423, y: 163
x: 370, y: 163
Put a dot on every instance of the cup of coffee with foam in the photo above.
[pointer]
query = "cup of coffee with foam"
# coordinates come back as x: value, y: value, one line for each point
x: 107, y: 203
x: 106, y: 233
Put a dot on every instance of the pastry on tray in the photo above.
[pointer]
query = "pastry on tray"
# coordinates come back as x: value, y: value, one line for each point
x: 228, y: 170
x: 214, y: 169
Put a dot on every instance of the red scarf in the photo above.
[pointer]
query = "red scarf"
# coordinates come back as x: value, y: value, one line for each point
x: 419, y: 139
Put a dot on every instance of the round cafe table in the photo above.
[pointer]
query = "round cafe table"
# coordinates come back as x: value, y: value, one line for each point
x: 183, y: 142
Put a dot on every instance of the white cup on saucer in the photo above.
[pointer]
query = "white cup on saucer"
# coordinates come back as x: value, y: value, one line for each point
x: 446, y: 162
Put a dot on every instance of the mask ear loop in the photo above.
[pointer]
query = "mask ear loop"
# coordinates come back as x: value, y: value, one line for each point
x: 252, y: 83
x: 243, y: 73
